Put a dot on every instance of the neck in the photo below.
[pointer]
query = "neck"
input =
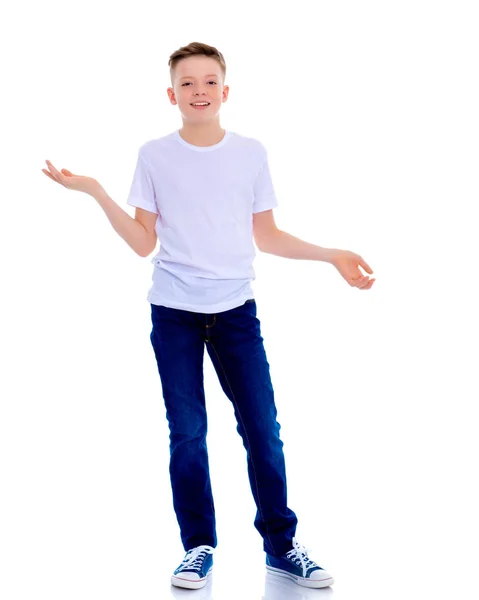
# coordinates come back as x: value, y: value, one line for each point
x: 202, y: 134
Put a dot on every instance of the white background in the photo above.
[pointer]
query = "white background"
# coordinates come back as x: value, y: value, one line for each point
x: 369, y: 112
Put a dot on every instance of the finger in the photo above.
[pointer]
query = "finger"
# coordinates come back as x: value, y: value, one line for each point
x: 362, y: 282
x: 54, y: 171
x: 365, y: 266
x: 358, y: 281
x: 50, y: 175
x: 52, y: 168
x: 59, y: 177
x: 369, y: 285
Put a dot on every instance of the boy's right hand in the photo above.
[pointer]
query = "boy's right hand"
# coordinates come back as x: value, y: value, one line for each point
x: 71, y: 181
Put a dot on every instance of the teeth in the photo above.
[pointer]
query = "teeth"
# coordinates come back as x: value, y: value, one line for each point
x: 200, y: 103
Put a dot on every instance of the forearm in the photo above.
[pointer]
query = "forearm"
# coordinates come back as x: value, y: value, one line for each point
x: 131, y: 230
x: 286, y: 245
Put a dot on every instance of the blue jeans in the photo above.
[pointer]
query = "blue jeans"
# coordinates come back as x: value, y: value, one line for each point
x: 234, y: 343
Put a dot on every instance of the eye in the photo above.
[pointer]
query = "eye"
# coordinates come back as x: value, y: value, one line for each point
x: 188, y: 83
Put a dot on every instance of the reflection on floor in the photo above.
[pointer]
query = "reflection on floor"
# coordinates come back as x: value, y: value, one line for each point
x: 275, y: 588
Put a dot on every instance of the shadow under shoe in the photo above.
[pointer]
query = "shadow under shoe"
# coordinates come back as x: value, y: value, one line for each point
x: 282, y: 588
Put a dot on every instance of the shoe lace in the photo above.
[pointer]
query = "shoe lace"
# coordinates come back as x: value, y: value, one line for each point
x: 194, y: 558
x: 299, y: 554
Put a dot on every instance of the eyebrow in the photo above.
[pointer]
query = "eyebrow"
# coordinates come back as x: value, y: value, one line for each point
x: 191, y: 76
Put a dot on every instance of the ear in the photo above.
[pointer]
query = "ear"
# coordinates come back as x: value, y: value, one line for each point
x: 171, y: 95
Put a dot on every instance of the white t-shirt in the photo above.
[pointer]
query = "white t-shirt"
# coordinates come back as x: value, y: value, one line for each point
x: 205, y: 197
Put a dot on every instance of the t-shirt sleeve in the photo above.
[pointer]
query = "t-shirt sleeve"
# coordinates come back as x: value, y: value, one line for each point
x: 142, y: 191
x: 264, y: 194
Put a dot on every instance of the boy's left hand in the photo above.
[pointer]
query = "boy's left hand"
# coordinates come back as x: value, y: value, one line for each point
x: 347, y: 263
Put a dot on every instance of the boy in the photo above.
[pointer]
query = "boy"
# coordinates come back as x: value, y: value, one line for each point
x: 206, y: 193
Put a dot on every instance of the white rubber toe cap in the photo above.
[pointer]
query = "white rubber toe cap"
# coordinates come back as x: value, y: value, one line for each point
x: 320, y: 575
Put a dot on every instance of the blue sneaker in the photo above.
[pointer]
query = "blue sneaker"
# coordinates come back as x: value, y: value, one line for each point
x: 195, y: 569
x: 296, y: 565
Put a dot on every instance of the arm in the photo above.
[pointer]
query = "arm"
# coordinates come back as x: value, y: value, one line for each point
x: 272, y: 240
x: 286, y: 245
x: 139, y: 232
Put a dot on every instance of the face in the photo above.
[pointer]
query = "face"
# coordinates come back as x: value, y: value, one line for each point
x: 198, y: 79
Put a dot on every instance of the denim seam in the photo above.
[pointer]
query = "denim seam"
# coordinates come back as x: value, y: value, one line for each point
x: 212, y: 503
x: 251, y: 454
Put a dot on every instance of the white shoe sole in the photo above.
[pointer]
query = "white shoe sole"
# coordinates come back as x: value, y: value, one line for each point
x: 310, y: 583
x: 182, y: 582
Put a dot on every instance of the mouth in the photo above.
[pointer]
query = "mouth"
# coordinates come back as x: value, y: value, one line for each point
x: 200, y: 105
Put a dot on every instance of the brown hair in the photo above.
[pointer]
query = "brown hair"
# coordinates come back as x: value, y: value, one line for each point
x: 196, y: 49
